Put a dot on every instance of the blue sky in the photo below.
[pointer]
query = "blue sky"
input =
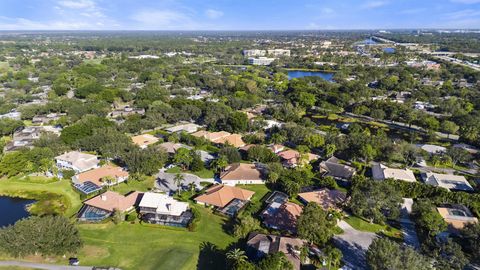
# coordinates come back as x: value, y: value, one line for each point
x: 236, y: 14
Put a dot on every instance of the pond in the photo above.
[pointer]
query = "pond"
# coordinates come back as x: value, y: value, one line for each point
x: 389, y: 50
x: 292, y: 74
x: 13, y: 209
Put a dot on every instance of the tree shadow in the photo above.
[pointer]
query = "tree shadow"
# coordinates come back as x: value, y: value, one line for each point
x: 211, y: 257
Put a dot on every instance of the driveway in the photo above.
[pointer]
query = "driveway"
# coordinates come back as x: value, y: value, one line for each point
x: 165, y: 181
x: 45, y: 266
x: 353, y: 244
x: 408, y: 226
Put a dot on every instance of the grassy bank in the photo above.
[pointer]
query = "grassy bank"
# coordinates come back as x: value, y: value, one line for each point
x: 52, y: 197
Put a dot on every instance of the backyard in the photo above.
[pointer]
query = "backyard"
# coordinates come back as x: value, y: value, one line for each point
x: 135, y: 246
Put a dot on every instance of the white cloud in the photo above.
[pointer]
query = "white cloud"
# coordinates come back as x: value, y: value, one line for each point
x: 462, y: 14
x: 163, y: 20
x: 213, y: 14
x: 374, y: 4
x: 77, y: 4
x: 26, y: 24
x: 327, y: 11
x: 465, y: 1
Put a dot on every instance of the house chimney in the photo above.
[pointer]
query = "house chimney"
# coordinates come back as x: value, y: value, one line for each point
x: 103, y: 197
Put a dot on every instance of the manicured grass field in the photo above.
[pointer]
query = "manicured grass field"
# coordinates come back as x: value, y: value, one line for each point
x: 136, y: 246
x: 362, y: 225
x: 260, y: 192
x: 57, y: 195
x: 205, y: 173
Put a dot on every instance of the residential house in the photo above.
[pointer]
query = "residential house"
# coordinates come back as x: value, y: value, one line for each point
x: 188, y: 128
x: 46, y: 119
x: 227, y: 199
x: 382, y: 172
x: 172, y: 148
x: 144, y: 140
x: 293, y: 158
x: 282, y: 216
x: 448, y: 181
x: 276, y: 148
x: 332, y: 167
x: 260, y: 245
x: 432, y: 149
x: 221, y: 137
x: 205, y: 156
x: 28, y: 135
x: 469, y: 148
x: 100, y: 176
x: 104, y: 205
x: 162, y: 209
x: 242, y: 173
x: 328, y: 199
x: 77, y: 161
x: 125, y: 112
x: 457, y: 216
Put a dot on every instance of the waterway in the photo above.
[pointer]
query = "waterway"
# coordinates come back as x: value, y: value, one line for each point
x: 12, y: 209
x: 293, y: 74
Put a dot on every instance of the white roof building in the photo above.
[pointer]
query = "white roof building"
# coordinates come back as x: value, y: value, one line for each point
x: 189, y: 128
x: 448, y: 181
x: 164, y: 204
x: 432, y: 149
x: 77, y: 161
x: 382, y: 172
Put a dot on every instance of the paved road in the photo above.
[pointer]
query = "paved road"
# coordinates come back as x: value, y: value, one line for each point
x: 353, y: 244
x: 166, y: 183
x: 44, y: 266
x: 408, y: 226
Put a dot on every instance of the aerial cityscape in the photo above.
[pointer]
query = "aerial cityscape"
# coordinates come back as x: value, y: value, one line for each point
x: 243, y: 135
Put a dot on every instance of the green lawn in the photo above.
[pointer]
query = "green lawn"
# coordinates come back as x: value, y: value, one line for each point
x: 133, y: 185
x: 57, y: 196
x: 205, y: 173
x: 363, y: 225
x: 135, y: 246
x: 260, y: 191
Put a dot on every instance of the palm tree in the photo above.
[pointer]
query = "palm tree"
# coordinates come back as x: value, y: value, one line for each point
x: 192, y: 187
x: 178, y: 179
x: 220, y: 163
x: 237, y: 256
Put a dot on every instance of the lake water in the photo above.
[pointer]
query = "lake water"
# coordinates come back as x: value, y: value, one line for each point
x: 389, y: 50
x: 12, y: 209
x: 292, y: 74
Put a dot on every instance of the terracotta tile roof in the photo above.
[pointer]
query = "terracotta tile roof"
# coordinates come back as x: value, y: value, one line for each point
x: 221, y: 195
x: 284, y: 217
x: 144, y: 140
x: 112, y: 200
x: 221, y: 137
x: 241, y: 171
x: 234, y: 139
x: 457, y: 216
x: 326, y: 198
x: 97, y: 175
x: 292, y: 157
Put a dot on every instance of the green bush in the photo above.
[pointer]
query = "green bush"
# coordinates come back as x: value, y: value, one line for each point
x: 192, y: 226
